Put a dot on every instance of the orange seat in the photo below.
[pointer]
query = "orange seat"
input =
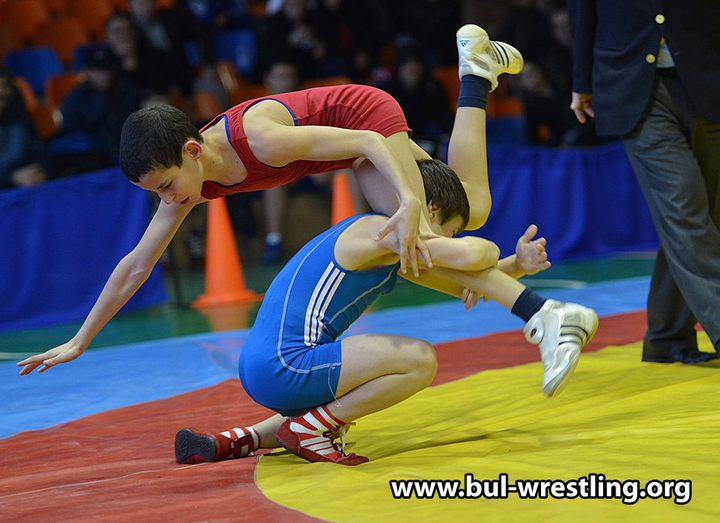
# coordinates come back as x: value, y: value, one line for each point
x: 64, y: 35
x: 56, y: 7
x: 321, y: 82
x: 248, y: 92
x: 387, y: 56
x: 92, y: 14
x: 501, y: 104
x: 25, y: 17
x: 257, y: 9
x: 57, y: 86
x: 120, y: 5
x: 8, y: 41
x: 26, y: 92
x: 205, y: 106
x: 46, y: 120
x: 165, y: 4
x: 448, y: 78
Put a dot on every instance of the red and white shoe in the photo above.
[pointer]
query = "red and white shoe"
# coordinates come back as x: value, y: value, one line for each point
x: 480, y: 56
x: 315, y: 441
x: 195, y: 447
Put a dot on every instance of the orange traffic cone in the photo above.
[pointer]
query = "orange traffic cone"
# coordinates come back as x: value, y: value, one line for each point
x: 224, y: 280
x: 342, y: 202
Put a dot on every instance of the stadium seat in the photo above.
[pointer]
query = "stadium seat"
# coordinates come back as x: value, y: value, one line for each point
x: 500, y: 106
x: 92, y: 14
x: 35, y: 64
x: 192, y: 53
x: 56, y: 7
x: 257, y: 9
x: 237, y: 47
x: 26, y: 92
x: 46, y: 120
x: 8, y: 41
x: 64, y: 35
x: 57, y: 86
x: 79, y: 55
x: 386, y: 56
x: 120, y: 5
x: 330, y: 80
x: 248, y: 92
x: 448, y: 78
x: 25, y: 17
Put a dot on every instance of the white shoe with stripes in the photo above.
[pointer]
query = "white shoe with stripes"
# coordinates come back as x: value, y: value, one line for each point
x: 561, y: 330
x: 480, y: 56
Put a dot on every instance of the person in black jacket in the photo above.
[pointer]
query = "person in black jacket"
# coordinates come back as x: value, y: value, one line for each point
x: 649, y: 72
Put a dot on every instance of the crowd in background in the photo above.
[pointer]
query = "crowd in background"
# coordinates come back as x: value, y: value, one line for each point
x: 144, y: 57
x: 159, y: 51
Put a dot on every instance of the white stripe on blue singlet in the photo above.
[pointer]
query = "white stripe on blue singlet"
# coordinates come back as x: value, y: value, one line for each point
x: 320, y: 315
x: 311, y: 304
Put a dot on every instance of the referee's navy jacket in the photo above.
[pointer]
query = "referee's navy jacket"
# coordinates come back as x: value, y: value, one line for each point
x: 615, y: 48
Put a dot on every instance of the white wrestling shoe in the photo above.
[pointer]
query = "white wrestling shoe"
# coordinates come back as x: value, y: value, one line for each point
x: 561, y: 330
x: 482, y: 57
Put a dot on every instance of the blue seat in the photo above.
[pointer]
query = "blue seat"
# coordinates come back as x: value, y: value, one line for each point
x: 238, y: 47
x: 192, y: 53
x: 35, y: 64
x: 80, y: 53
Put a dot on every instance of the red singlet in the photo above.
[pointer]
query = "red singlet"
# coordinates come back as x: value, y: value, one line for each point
x: 346, y: 106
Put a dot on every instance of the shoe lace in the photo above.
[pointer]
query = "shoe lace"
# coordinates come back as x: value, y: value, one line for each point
x: 339, y: 433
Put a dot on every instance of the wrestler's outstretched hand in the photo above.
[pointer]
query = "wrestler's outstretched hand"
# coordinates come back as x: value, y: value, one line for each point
x: 61, y: 354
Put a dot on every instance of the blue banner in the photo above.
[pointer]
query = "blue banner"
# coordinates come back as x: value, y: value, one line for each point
x: 60, y: 242
x: 585, y: 201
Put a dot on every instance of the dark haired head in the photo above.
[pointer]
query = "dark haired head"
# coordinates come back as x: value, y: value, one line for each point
x: 153, y: 138
x: 444, y: 189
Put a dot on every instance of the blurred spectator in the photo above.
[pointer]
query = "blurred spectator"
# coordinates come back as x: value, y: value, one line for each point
x: 220, y: 15
x: 281, y: 77
x: 526, y: 24
x: 556, y: 61
x: 422, y: 98
x: 93, y: 115
x: 21, y: 150
x: 349, y: 48
x: 540, y: 30
x: 165, y: 32
x: 424, y: 21
x: 288, y: 33
x: 545, y: 109
x: 139, y: 63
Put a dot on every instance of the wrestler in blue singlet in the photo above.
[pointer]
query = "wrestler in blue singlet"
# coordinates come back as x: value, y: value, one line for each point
x: 291, y: 359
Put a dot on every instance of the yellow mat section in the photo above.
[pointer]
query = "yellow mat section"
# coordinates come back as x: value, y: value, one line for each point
x: 618, y: 417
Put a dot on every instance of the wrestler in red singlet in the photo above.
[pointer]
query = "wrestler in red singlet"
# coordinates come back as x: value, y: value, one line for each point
x: 358, y: 107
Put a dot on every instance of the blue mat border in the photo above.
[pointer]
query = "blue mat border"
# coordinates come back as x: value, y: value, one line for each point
x: 126, y: 375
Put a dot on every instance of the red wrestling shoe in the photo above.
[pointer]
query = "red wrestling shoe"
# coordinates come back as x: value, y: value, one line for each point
x: 311, y: 437
x: 194, y: 447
